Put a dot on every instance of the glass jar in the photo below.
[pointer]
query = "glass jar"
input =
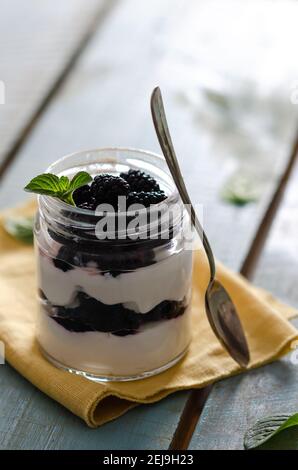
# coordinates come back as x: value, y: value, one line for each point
x: 112, y: 308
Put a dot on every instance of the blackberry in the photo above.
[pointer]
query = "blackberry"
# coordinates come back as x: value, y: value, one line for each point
x: 107, y: 188
x: 140, y: 181
x: 81, y: 195
x: 83, y: 198
x: 145, y: 198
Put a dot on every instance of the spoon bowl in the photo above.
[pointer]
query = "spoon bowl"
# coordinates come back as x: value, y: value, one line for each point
x: 225, y: 322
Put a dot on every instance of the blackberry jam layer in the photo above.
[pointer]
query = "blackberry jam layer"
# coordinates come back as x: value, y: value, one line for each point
x: 115, y: 260
x: 139, y: 290
x: 89, y: 314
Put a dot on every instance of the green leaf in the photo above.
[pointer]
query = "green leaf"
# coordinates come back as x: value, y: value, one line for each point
x: 79, y: 180
x: 274, y: 432
x: 59, y: 187
x: 239, y: 190
x: 44, y: 184
x: 20, y: 228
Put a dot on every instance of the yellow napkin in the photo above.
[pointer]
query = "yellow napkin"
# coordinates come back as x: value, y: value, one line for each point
x: 264, y: 319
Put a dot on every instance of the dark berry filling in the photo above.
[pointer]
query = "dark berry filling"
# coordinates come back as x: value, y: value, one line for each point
x: 114, y: 260
x: 90, y: 314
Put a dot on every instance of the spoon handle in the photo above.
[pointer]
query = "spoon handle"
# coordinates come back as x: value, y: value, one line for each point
x: 165, y: 141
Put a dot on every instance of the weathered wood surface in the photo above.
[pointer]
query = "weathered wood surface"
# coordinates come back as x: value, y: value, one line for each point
x: 38, y: 41
x: 236, y: 404
x: 105, y: 102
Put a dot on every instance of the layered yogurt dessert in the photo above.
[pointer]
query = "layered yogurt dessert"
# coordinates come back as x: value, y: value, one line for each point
x: 112, y: 308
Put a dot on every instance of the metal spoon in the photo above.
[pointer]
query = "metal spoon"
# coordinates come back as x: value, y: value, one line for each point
x: 221, y: 311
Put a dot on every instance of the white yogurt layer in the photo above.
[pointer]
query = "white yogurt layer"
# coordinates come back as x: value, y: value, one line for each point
x: 140, y: 290
x: 104, y: 354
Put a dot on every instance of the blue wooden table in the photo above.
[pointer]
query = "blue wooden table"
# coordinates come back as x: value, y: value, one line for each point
x: 79, y: 74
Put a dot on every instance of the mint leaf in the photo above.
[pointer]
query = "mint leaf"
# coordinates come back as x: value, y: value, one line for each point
x: 273, y: 432
x: 79, y: 180
x: 20, y: 228
x: 59, y: 187
x: 44, y: 184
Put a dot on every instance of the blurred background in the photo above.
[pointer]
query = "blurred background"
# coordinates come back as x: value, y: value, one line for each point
x: 79, y: 74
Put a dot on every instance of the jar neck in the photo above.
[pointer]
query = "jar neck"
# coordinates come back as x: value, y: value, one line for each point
x: 160, y: 223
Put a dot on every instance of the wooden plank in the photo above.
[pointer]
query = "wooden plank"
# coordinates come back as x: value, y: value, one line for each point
x: 104, y: 103
x: 277, y: 270
x: 236, y: 404
x: 39, y: 41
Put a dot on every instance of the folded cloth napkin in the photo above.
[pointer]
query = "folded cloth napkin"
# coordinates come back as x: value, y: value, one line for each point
x: 265, y: 321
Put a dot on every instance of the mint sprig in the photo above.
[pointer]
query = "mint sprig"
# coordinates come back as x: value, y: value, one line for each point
x: 60, y: 187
